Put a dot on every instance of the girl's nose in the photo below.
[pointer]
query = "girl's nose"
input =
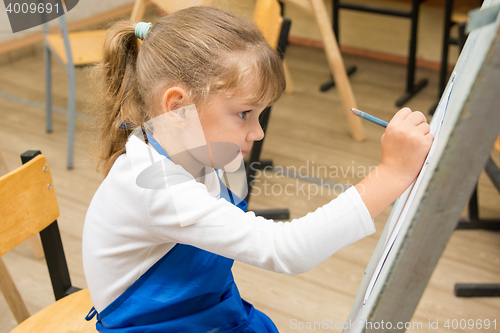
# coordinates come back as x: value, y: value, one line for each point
x: 256, y: 133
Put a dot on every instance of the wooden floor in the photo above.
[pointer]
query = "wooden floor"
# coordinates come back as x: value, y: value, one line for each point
x: 307, y: 129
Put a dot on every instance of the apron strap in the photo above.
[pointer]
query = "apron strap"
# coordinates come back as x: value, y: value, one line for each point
x: 91, y: 314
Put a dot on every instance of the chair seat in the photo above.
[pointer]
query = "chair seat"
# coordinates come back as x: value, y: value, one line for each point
x: 64, y: 316
x: 86, y: 46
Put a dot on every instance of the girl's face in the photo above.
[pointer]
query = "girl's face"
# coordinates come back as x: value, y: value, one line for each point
x: 232, y: 120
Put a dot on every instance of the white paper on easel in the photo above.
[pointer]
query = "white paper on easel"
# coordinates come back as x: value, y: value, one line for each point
x: 405, y: 202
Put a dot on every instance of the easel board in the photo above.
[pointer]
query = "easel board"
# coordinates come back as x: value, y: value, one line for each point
x: 469, y: 128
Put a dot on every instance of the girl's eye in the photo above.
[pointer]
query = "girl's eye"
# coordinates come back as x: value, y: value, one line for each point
x: 243, y: 114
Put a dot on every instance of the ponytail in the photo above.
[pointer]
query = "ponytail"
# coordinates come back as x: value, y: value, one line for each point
x: 120, y: 109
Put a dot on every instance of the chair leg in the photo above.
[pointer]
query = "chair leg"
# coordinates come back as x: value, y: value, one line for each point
x: 71, y: 114
x: 48, y: 89
x: 36, y: 246
x: 3, y: 165
x: 12, y: 295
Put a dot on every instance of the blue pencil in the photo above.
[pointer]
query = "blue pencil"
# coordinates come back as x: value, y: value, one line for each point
x: 368, y: 117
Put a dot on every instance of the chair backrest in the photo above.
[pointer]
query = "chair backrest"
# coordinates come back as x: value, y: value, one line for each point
x: 168, y: 6
x: 267, y: 16
x: 28, y: 205
x: 7, y: 286
x: 275, y: 29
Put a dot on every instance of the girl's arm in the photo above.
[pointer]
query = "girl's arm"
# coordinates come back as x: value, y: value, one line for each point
x: 187, y: 214
x: 405, y: 145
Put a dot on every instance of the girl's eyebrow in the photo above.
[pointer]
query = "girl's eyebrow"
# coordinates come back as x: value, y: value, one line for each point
x: 249, y: 102
x: 248, y: 105
x: 254, y: 106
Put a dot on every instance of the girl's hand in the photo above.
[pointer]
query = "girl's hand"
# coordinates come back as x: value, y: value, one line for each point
x: 405, y: 145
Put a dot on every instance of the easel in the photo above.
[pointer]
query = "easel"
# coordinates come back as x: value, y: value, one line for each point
x: 469, y: 130
x: 412, y: 88
x: 474, y: 222
x: 318, y: 9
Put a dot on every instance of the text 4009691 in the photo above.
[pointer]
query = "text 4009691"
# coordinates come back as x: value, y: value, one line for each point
x: 32, y: 8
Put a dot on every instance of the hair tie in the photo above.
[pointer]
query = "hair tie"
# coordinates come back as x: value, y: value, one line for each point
x: 141, y: 29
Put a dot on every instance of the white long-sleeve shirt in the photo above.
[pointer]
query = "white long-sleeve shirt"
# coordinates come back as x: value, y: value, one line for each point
x: 129, y: 227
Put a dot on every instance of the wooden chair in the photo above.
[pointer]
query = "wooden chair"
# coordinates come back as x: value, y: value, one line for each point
x: 35, y: 243
x: 28, y: 206
x: 268, y: 17
x: 73, y: 50
x: 275, y: 29
x: 7, y: 286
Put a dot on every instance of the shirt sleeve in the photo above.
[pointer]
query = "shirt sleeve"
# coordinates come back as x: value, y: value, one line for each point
x: 187, y: 214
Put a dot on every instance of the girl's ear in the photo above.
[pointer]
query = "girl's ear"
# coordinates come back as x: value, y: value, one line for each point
x: 173, y: 98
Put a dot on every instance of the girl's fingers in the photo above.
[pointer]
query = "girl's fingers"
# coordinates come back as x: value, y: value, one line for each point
x: 423, y: 128
x: 416, y: 118
x: 401, y: 114
x: 409, y: 117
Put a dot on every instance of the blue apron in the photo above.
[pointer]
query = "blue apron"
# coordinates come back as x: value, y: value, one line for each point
x: 187, y: 290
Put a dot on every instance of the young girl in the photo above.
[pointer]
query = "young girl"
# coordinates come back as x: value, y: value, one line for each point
x: 162, y: 230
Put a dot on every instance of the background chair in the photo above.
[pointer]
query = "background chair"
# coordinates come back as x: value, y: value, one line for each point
x: 83, y: 48
x: 74, y: 49
x: 28, y: 206
x: 453, y: 16
x: 412, y: 85
x: 275, y: 29
x: 168, y: 6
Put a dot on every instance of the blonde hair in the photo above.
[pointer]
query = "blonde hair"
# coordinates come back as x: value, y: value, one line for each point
x: 203, y: 49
